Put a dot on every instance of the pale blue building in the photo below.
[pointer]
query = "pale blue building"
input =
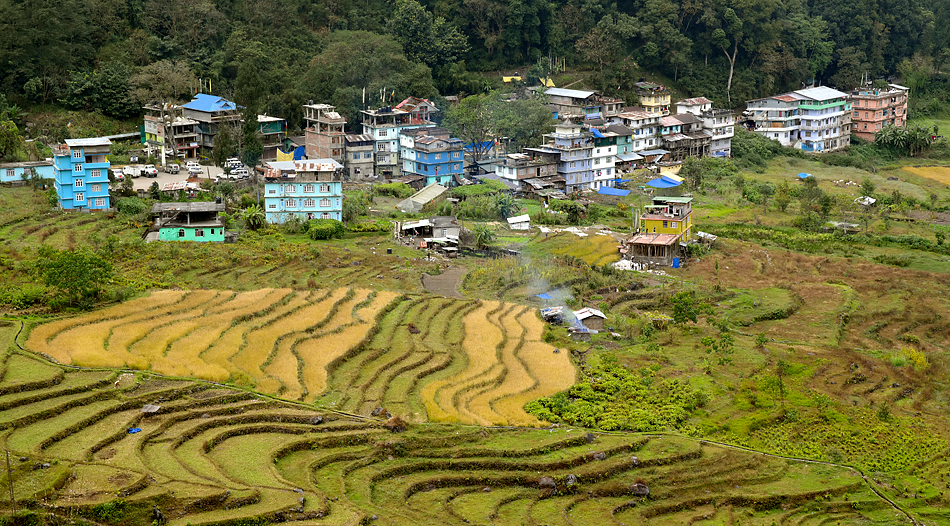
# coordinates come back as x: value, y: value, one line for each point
x: 309, y: 189
x: 431, y: 153
x: 13, y: 172
x: 81, y: 174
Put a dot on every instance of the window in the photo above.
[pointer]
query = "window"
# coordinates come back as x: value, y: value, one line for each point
x: 199, y: 232
x: 290, y: 189
x: 367, y: 156
x: 324, y: 203
x: 325, y: 216
x: 212, y: 231
x: 181, y: 232
x: 665, y: 224
x: 95, y: 188
x: 271, y: 191
x: 324, y: 188
x: 309, y: 203
x: 673, y: 224
x: 308, y: 189
x: 292, y: 203
x: 11, y: 172
x: 458, y: 166
x: 80, y: 197
x: 271, y: 207
x: 101, y: 202
x: 78, y: 183
x: 77, y: 167
x: 95, y: 173
x: 77, y: 154
x: 382, y: 133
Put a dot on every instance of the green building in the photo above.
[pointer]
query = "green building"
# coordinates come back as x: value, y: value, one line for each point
x: 197, y: 221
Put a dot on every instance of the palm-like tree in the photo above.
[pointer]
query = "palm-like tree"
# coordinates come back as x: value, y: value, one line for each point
x: 484, y: 236
x: 254, y: 217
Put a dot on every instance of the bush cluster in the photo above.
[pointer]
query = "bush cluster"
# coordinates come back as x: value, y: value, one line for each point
x: 322, y: 229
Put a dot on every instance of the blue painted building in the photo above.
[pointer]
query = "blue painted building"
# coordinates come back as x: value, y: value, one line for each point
x: 431, y: 153
x: 309, y: 189
x: 575, y: 145
x: 81, y: 174
x: 13, y: 172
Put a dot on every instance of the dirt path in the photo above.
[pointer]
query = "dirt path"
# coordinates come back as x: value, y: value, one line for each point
x: 445, y: 284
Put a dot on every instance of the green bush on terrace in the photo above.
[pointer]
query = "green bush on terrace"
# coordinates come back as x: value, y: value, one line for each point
x: 613, y: 398
x: 321, y: 229
x: 487, y: 187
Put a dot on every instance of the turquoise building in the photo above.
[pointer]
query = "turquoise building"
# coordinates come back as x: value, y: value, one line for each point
x: 191, y: 221
x: 308, y: 189
x: 81, y: 174
x: 13, y: 172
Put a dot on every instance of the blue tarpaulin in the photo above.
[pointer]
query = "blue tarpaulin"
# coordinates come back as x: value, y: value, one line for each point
x: 545, y: 296
x: 607, y: 190
x: 134, y: 430
x: 597, y: 133
x: 299, y: 153
x: 664, y: 182
x: 803, y: 175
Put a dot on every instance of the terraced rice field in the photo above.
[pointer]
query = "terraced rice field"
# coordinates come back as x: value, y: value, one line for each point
x: 214, y: 454
x: 280, y: 339
x: 425, y: 359
x: 446, y: 360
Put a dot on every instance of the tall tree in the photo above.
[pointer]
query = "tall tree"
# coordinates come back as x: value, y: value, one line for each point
x: 471, y: 120
x: 425, y: 38
x: 163, y: 85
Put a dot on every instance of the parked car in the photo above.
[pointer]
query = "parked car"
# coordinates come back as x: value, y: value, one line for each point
x: 171, y: 168
x: 117, y: 173
x: 132, y: 171
x: 150, y: 171
x: 192, y: 164
x: 232, y: 162
x: 195, y: 170
x: 240, y: 173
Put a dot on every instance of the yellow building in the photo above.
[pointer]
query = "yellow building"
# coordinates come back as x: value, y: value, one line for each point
x: 654, y: 98
x: 668, y: 215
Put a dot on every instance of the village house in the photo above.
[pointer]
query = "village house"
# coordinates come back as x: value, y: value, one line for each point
x: 645, y: 128
x: 719, y: 124
x: 272, y: 131
x: 358, y: 156
x: 603, y: 158
x: 210, y: 112
x: 431, y: 153
x: 81, y: 174
x: 664, y: 225
x: 654, y: 98
x: 581, y: 104
x: 689, y: 140
x: 324, y: 133
x: 875, y: 108
x: 308, y: 189
x: 575, y: 146
x: 812, y: 120
x: 591, y: 318
x: 532, y: 164
x: 385, y: 124
x: 432, y: 193
x: 176, y: 129
x: 14, y: 172
x: 191, y: 221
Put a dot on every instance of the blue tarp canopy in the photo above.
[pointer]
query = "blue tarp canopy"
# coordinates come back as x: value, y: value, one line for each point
x: 607, y: 190
x: 545, y: 296
x: 487, y: 145
x: 300, y: 153
x: 664, y: 182
x: 803, y: 175
x: 597, y: 133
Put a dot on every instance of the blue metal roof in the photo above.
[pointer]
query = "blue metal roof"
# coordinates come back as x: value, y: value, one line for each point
x: 210, y: 103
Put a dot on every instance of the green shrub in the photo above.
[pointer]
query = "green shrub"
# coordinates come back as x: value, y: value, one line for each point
x: 401, y: 190
x: 131, y: 206
x: 322, y: 229
x: 380, y: 225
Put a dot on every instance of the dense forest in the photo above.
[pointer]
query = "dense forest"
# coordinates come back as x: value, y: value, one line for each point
x: 273, y: 56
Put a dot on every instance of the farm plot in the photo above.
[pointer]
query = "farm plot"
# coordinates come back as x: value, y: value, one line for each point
x: 278, y: 339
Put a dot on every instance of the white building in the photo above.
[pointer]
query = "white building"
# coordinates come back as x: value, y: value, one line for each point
x: 812, y: 120
x: 719, y: 124
x: 645, y: 128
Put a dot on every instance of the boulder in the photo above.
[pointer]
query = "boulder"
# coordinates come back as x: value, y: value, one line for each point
x: 570, y: 480
x: 639, y: 489
x: 600, y: 455
x: 547, y: 483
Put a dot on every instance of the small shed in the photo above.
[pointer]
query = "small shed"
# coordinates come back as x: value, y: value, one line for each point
x: 657, y: 249
x: 591, y: 318
x: 421, y: 198
x: 522, y: 222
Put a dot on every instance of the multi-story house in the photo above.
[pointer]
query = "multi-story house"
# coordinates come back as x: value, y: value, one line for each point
x: 358, y: 156
x: 582, y: 104
x: 162, y: 129
x: 324, y: 133
x: 604, y: 158
x: 663, y: 226
x: 719, y: 124
x: 812, y: 120
x: 273, y: 131
x: 533, y: 164
x: 190, y: 221
x: 575, y: 146
x: 686, y: 140
x: 310, y: 189
x: 873, y: 109
x: 654, y: 98
x: 211, y: 112
x: 384, y: 126
x: 645, y: 128
x: 431, y: 153
x: 81, y: 174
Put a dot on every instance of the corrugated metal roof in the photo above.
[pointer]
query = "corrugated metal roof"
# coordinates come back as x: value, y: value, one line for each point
x: 587, y: 312
x: 519, y: 219
x: 198, y: 206
x: 92, y: 141
x: 695, y: 100
x: 210, y: 103
x: 821, y: 93
x: 653, y: 239
x: 574, y: 93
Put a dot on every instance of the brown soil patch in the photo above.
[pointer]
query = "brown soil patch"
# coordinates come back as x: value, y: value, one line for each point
x: 106, y: 454
x: 122, y: 479
x: 445, y: 284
